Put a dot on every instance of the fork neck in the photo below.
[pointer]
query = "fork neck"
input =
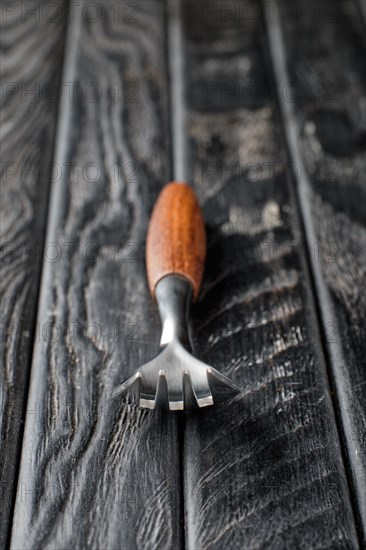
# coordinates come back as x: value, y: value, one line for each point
x: 174, y: 295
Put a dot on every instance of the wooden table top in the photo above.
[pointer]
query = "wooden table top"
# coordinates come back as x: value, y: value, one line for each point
x: 273, y: 131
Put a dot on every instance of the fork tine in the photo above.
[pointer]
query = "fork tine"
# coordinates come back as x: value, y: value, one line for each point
x: 127, y: 384
x: 222, y: 387
x: 175, y: 391
x: 222, y: 379
x: 201, y: 388
x: 147, y: 394
x: 147, y: 402
x: 176, y: 404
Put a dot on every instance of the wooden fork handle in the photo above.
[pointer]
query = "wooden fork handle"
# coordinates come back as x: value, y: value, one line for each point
x: 176, y: 238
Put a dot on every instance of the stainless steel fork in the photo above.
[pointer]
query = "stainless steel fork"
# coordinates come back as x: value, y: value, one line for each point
x: 175, y: 254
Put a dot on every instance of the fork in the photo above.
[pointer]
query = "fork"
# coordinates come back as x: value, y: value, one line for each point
x: 175, y: 256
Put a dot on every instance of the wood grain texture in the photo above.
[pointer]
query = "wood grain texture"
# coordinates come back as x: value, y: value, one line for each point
x: 265, y: 470
x: 176, y: 239
x: 329, y: 76
x: 96, y: 472
x: 30, y: 64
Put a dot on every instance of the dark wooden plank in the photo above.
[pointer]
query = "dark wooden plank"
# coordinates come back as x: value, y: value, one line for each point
x: 362, y: 9
x: 265, y: 470
x: 96, y: 472
x: 32, y: 48
x: 325, y: 124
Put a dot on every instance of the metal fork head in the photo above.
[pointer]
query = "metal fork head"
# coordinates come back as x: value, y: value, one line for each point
x: 174, y: 379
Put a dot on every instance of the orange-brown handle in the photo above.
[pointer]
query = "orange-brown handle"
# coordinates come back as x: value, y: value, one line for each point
x: 176, y: 238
